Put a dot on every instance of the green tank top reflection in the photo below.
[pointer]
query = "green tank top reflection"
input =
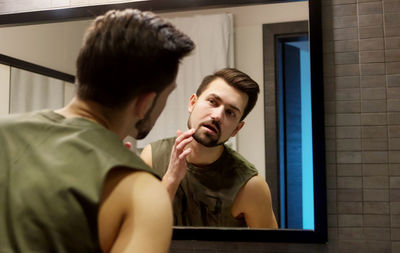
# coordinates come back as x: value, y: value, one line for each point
x: 206, y: 194
x: 52, y: 170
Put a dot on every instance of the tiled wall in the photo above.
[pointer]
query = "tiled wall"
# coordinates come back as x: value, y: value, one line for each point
x: 362, y: 117
x: 362, y: 108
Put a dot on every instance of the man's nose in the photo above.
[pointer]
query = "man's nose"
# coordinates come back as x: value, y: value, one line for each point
x: 217, y: 113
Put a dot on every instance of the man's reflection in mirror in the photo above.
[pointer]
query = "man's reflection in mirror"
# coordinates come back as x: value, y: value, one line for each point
x: 209, y: 183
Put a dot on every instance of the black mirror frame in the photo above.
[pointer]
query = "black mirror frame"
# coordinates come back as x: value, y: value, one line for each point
x: 319, y: 234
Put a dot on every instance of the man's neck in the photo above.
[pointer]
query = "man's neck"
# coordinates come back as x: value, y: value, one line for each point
x: 97, y: 113
x: 202, y: 155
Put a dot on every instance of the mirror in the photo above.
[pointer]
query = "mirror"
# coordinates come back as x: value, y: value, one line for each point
x: 248, y: 20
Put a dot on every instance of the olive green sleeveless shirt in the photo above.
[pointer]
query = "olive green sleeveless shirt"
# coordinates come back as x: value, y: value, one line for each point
x: 52, y: 171
x: 206, y: 194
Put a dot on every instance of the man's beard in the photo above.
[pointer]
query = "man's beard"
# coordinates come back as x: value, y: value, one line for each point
x: 205, y: 138
x: 144, y: 125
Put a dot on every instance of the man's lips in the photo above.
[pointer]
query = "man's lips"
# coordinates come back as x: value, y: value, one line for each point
x: 211, y: 127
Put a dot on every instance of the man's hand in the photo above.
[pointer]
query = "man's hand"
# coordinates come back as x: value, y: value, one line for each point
x: 177, y: 164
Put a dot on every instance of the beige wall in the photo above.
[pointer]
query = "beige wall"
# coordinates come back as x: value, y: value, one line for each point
x: 14, y: 6
x: 54, y: 45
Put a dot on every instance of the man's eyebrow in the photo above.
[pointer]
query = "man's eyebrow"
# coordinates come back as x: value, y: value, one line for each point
x: 219, y: 99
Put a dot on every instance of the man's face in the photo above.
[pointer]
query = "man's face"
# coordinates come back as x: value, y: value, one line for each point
x: 216, y: 113
x: 144, y: 126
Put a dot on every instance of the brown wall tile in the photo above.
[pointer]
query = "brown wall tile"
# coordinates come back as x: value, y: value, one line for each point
x: 375, y: 144
x: 370, y: 119
x: 375, y: 169
x: 393, y: 80
x: 349, y: 183
x: 371, y: 69
x: 349, y: 170
x: 392, y: 55
x: 352, y: 195
x: 374, y: 132
x: 394, y: 131
x: 376, y: 195
x: 347, y: 58
x: 391, y: 18
x: 373, y: 106
x: 370, y: 20
x: 391, y: 6
x: 373, y: 93
x: 345, y: 21
x: 376, y: 207
x: 348, y: 132
x: 345, y: 46
x: 368, y: 32
x: 376, y: 182
x: 372, y: 81
x: 376, y: 220
x: 347, y: 82
x: 377, y: 234
x: 372, y: 56
x: 374, y: 156
x: 369, y: 8
x: 372, y: 44
x: 349, y: 157
x: 394, y: 118
x: 392, y: 43
x: 394, y: 156
x: 348, y: 33
x: 392, y: 30
x: 348, y: 144
x: 344, y: 10
x: 393, y: 105
x: 348, y: 94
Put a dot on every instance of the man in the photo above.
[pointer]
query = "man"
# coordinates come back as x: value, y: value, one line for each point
x: 67, y: 183
x: 209, y: 183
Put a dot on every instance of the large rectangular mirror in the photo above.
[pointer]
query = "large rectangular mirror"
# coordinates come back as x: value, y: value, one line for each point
x: 255, y: 42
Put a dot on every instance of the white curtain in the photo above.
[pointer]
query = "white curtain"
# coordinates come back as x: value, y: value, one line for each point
x: 213, y: 36
x: 31, y: 92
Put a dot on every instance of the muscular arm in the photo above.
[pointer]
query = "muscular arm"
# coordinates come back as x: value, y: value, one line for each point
x: 135, y: 213
x: 254, y: 203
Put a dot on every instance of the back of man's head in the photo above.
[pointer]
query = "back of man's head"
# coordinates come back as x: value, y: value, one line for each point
x: 127, y: 53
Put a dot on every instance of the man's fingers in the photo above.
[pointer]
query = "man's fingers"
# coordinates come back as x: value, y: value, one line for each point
x: 184, y: 135
x: 183, y: 143
x: 128, y: 145
x: 185, y: 153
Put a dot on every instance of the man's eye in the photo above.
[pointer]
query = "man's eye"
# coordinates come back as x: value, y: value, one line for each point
x: 230, y: 113
x: 212, y: 101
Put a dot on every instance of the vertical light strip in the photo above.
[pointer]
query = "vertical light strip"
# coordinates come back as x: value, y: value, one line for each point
x: 307, y: 154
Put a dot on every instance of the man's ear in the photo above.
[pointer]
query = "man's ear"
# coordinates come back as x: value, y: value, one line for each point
x: 238, y: 127
x: 192, y: 101
x: 143, y: 104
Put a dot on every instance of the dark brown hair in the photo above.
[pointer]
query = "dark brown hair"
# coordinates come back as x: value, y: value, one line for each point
x: 238, y: 80
x: 126, y: 53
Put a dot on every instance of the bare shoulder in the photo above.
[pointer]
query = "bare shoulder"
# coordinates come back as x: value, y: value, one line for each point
x: 254, y: 188
x: 146, y: 155
x: 134, y: 205
x: 254, y: 202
